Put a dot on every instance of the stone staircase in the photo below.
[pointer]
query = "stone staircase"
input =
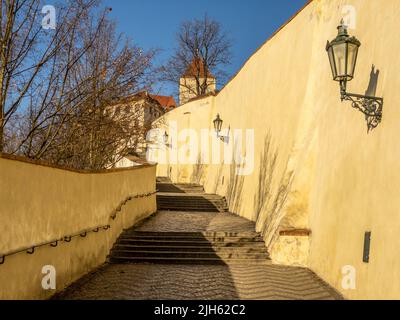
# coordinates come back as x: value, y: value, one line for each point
x: 189, y: 248
x: 179, y: 188
x: 191, y: 202
x: 188, y: 197
x: 225, y: 243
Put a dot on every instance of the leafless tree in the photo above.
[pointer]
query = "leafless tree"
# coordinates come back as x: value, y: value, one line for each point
x: 30, y: 55
x: 203, y: 50
x: 57, y: 85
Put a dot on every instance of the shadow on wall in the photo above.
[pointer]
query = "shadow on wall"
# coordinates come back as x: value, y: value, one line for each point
x: 234, y: 189
x: 235, y: 184
x: 373, y: 82
x: 267, y: 168
x: 218, y: 179
x: 268, y: 202
x: 198, y: 171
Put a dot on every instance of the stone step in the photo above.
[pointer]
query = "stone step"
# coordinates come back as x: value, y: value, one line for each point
x: 115, y: 253
x: 177, y: 196
x: 190, y: 261
x: 191, y: 203
x: 207, y: 239
x: 164, y: 180
x: 180, y: 200
x: 171, y: 207
x: 241, y: 234
x: 190, y: 199
x: 189, y: 243
x: 188, y: 195
x: 206, y: 247
x: 191, y: 209
x: 179, y: 188
x: 194, y: 203
x: 177, y: 248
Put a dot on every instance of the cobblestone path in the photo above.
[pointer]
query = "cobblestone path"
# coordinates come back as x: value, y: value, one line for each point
x: 145, y: 281
x: 193, y: 282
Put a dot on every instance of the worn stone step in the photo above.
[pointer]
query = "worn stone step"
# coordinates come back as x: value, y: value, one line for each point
x: 204, y: 203
x: 190, y: 197
x: 206, y: 247
x: 191, y: 209
x: 161, y: 208
x: 179, y: 188
x: 209, y: 239
x: 187, y: 207
x: 189, y: 200
x: 206, y: 241
x: 187, y: 197
x: 177, y: 248
x: 233, y: 254
x: 192, y: 203
x: 241, y: 234
x: 191, y: 261
x: 194, y: 243
x: 164, y: 180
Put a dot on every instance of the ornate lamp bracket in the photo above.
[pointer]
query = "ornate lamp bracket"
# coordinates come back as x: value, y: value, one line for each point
x: 371, y: 107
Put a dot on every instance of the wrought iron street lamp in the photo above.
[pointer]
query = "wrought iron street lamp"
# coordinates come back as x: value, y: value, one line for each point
x: 166, y: 140
x: 166, y: 136
x: 218, y: 128
x: 218, y: 124
x: 343, y: 53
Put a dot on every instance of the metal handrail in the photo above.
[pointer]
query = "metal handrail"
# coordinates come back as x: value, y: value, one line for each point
x: 54, y: 243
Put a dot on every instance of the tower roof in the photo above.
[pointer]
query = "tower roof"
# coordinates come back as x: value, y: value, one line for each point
x: 197, y: 69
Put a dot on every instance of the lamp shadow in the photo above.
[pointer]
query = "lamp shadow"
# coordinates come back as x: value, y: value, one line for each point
x: 373, y: 106
x: 373, y: 82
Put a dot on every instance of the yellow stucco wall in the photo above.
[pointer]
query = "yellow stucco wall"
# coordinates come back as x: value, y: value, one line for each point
x: 40, y: 204
x: 341, y: 181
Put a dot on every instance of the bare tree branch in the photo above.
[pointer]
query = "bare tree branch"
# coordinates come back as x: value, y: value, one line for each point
x: 205, y: 49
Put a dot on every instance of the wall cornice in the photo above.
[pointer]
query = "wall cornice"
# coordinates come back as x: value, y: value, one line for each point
x: 64, y: 168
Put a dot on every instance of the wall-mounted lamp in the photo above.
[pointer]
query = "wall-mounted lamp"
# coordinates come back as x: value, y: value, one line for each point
x: 218, y: 127
x: 218, y: 124
x: 166, y: 136
x: 343, y: 53
x: 166, y: 140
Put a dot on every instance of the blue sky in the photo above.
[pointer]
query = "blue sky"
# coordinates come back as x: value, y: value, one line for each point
x: 154, y: 23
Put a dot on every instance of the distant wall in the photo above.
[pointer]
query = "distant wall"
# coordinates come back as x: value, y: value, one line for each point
x: 40, y: 204
x: 315, y: 165
x: 188, y: 87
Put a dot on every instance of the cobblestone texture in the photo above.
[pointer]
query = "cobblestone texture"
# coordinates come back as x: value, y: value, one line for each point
x: 198, y: 282
x: 176, y: 282
x: 178, y: 221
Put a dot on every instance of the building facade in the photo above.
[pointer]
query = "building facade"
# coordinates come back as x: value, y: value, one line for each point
x: 142, y: 109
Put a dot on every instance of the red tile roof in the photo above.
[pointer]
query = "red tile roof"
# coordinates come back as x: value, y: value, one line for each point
x: 167, y: 102
x: 197, y: 68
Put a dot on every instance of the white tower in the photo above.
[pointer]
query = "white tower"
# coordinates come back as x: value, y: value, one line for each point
x: 193, y: 81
